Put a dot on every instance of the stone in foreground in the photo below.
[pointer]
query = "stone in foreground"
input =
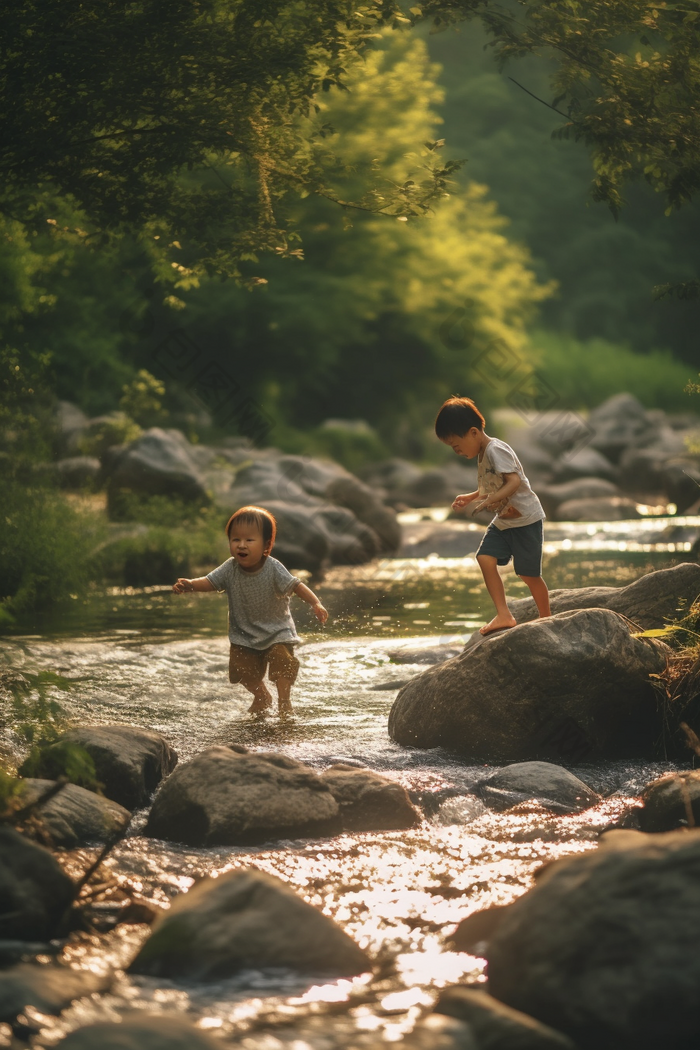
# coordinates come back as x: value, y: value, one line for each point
x: 368, y: 801
x: 604, y: 946
x: 140, y: 1032
x: 75, y: 817
x: 34, y: 890
x: 48, y: 988
x: 242, y: 920
x: 130, y: 762
x: 497, y: 1026
x: 552, y: 786
x: 671, y: 801
x: 225, y: 797
x: 571, y: 687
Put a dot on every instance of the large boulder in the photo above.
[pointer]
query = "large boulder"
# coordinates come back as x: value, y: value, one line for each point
x: 158, y: 463
x: 348, y: 491
x: 78, y: 472
x: 497, y: 1026
x: 619, y: 422
x: 551, y: 496
x: 227, y: 797
x: 585, y: 463
x: 47, y: 988
x: 604, y: 946
x: 241, y: 920
x: 69, y: 422
x: 572, y: 686
x: 605, y: 508
x: 649, y: 601
x: 302, y: 536
x: 34, y: 890
x: 369, y: 801
x: 140, y: 1032
x: 671, y: 801
x: 552, y: 786
x: 75, y: 817
x: 129, y: 762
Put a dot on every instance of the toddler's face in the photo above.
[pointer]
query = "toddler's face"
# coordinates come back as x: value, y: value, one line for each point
x: 247, y: 545
x: 468, y: 445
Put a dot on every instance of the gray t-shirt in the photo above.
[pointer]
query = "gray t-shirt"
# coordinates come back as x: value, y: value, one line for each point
x: 258, y: 603
x: 523, y: 507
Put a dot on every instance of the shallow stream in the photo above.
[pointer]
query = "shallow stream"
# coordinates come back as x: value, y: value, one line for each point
x: 156, y: 660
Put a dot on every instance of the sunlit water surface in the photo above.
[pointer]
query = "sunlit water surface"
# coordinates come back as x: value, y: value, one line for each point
x: 159, y: 661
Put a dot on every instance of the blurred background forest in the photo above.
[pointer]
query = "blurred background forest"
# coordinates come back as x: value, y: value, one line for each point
x: 383, y: 316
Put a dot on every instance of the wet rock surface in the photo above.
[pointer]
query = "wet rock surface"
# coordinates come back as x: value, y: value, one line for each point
x: 649, y: 601
x: 672, y: 801
x: 573, y: 686
x: 227, y: 797
x: 157, y: 463
x: 34, y: 890
x: 604, y: 943
x: 369, y: 801
x: 551, y: 785
x: 75, y: 816
x: 140, y: 1032
x: 497, y: 1026
x: 47, y: 987
x: 242, y: 920
x: 129, y: 762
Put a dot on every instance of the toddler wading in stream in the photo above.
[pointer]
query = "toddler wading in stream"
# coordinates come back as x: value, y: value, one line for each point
x: 261, y: 629
x: 516, y: 531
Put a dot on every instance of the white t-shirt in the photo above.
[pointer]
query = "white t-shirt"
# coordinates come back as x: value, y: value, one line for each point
x: 523, y: 507
x: 258, y: 603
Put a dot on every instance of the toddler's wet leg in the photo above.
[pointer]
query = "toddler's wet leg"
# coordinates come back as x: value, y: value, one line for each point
x: 494, y: 585
x: 284, y: 692
x: 262, y: 700
x: 538, y: 590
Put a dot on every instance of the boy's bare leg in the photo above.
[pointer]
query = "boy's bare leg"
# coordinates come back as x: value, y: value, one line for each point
x: 261, y: 696
x: 538, y: 590
x: 494, y: 585
x: 284, y: 692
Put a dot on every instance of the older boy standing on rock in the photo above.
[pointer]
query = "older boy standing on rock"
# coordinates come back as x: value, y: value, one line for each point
x: 516, y: 531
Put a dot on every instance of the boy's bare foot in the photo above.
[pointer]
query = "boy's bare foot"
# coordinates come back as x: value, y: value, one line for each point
x: 499, y: 623
x: 259, y: 706
x: 285, y: 709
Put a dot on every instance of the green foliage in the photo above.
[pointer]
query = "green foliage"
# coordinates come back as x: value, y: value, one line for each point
x: 39, y: 721
x: 142, y: 399
x: 191, y: 126
x: 117, y: 428
x: 586, y: 372
x: 604, y: 268
x: 10, y: 792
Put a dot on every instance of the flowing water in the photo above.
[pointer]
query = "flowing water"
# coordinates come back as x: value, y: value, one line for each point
x: 153, y: 659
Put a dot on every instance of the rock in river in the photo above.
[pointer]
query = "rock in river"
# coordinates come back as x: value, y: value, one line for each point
x: 75, y: 816
x: 34, y: 889
x: 604, y: 946
x: 671, y: 801
x: 552, y: 786
x: 241, y: 920
x: 649, y: 601
x: 225, y: 797
x: 569, y: 687
x: 48, y: 988
x: 497, y: 1026
x: 130, y: 762
x: 368, y: 801
x: 140, y: 1032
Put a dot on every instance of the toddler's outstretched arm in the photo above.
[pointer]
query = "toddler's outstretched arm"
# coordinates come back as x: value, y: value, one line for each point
x: 201, y: 583
x: 307, y: 595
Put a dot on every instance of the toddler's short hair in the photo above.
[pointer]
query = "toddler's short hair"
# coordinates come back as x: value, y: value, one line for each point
x: 457, y: 416
x: 258, y: 516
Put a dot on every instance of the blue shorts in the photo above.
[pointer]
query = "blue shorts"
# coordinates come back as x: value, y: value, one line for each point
x: 523, y: 544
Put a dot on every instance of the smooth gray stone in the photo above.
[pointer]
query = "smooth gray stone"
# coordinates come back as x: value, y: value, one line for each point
x: 369, y: 801
x: 49, y: 988
x: 34, y: 890
x: 671, y: 801
x: 552, y: 785
x: 497, y: 1026
x: 75, y: 817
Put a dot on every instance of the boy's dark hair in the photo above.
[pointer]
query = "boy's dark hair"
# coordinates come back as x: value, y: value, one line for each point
x: 257, y: 516
x: 457, y: 416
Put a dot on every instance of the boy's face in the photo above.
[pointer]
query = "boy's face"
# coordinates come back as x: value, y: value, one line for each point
x: 468, y: 445
x: 247, y: 545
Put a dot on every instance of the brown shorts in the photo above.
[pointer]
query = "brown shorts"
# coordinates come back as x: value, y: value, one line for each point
x: 249, y: 665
